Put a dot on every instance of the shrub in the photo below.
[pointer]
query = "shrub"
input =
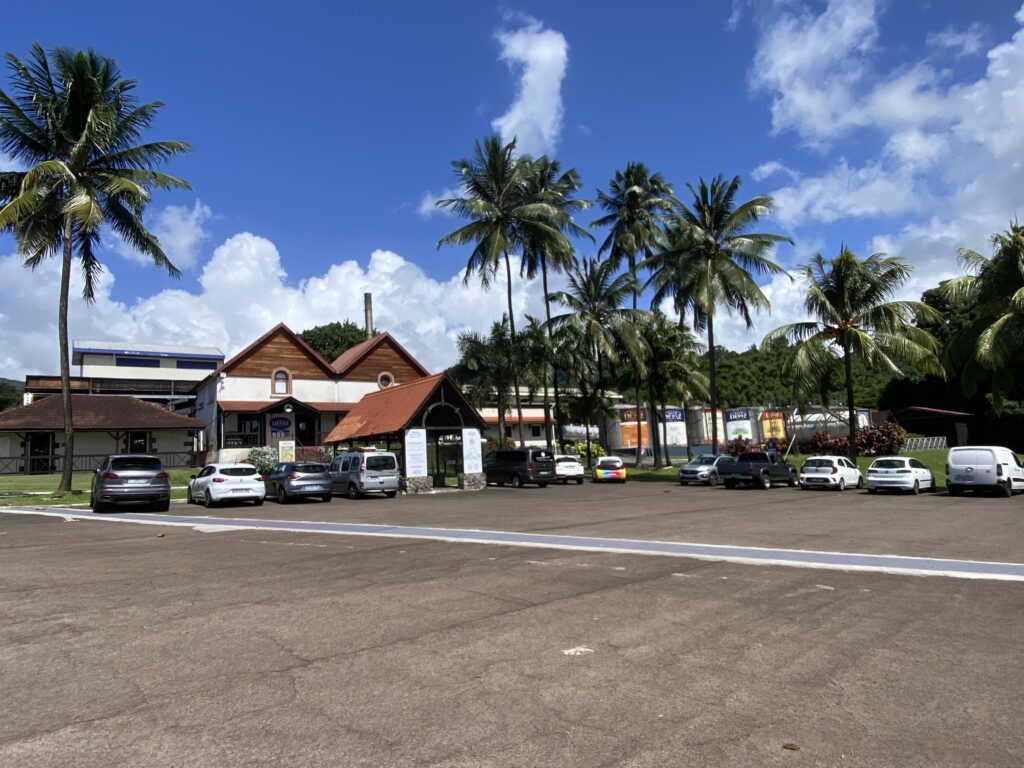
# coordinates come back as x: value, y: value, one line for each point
x: 823, y: 443
x: 738, y: 445
x: 263, y: 458
x: 881, y: 440
x: 580, y: 449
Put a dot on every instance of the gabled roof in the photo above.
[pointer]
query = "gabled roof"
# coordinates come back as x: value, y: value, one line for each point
x: 392, y: 410
x: 279, y: 328
x: 353, y: 355
x: 94, y: 412
x: 259, y: 406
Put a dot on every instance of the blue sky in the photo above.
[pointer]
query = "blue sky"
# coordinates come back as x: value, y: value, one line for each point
x: 321, y: 135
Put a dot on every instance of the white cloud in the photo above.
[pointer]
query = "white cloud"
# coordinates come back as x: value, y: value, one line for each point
x: 8, y: 163
x: 428, y: 203
x: 962, y: 42
x: 540, y: 56
x: 244, y: 291
x: 180, y: 232
x: 769, y: 169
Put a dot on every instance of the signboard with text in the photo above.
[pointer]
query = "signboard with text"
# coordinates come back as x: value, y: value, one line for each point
x: 286, y: 450
x: 472, y: 459
x: 415, y: 453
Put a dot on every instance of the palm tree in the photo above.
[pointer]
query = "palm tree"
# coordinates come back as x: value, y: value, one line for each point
x: 637, y: 204
x: 854, y: 318
x: 587, y: 404
x: 723, y: 253
x: 604, y: 328
x: 484, y: 370
x: 76, y: 123
x: 546, y: 183
x: 995, y: 289
x: 503, y: 219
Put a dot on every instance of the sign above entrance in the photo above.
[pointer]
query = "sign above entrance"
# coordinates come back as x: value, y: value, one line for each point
x: 282, y: 423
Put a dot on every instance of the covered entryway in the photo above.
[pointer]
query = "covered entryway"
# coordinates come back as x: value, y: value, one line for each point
x: 431, y: 426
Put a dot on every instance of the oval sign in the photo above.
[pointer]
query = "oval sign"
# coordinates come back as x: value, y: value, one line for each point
x: 280, y: 422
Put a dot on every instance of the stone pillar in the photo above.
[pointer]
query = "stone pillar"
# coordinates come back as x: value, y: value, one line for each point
x: 475, y: 481
x: 418, y: 484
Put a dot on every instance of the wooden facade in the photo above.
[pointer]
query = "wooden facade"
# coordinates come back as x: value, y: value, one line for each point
x: 282, y: 349
x: 385, y: 358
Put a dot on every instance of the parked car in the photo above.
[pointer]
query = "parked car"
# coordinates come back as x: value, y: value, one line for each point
x: 292, y: 479
x: 216, y: 483
x: 703, y: 469
x: 609, y: 469
x: 569, y: 468
x: 357, y: 473
x: 836, y: 472
x: 761, y: 468
x: 517, y: 466
x: 128, y: 478
x: 899, y: 473
x: 983, y: 468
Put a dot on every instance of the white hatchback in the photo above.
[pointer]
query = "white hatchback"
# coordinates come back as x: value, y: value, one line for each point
x: 568, y: 468
x: 216, y: 483
x: 830, y: 472
x: 899, y: 473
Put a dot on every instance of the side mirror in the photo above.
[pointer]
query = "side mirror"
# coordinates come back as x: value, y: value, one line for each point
x: 191, y: 477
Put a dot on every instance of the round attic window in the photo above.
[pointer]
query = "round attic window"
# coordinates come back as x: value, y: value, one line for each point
x: 385, y: 380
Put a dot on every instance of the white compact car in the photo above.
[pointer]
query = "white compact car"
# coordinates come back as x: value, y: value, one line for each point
x: 983, y: 468
x: 899, y: 473
x: 218, y: 483
x: 569, y: 468
x: 836, y: 472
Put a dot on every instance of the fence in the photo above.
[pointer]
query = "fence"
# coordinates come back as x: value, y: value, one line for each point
x: 924, y: 443
x: 43, y: 465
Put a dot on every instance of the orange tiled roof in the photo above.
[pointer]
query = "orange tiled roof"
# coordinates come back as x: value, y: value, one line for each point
x: 99, y: 412
x: 385, y: 412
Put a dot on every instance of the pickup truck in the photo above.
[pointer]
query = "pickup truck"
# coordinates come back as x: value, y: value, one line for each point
x: 758, y: 468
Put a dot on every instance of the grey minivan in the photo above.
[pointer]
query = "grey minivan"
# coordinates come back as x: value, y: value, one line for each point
x: 517, y: 466
x: 360, y: 472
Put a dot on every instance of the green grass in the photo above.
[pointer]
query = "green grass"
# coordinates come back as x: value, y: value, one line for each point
x: 46, y: 485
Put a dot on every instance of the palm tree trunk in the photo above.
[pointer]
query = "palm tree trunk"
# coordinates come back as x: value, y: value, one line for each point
x: 554, y: 375
x: 65, y: 366
x: 851, y: 407
x: 652, y: 427
x: 664, y: 442
x: 636, y: 371
x: 712, y: 384
x: 511, y: 350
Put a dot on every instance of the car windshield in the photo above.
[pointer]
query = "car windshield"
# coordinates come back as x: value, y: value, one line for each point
x: 238, y: 471
x: 818, y: 463
x: 380, y: 463
x: 567, y: 460
x: 310, y: 468
x: 609, y: 464
x: 136, y: 462
x: 703, y: 461
x: 889, y: 464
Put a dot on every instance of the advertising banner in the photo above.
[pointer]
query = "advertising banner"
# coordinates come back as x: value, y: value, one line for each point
x: 773, y: 424
x: 286, y: 450
x: 737, y: 424
x: 415, y: 453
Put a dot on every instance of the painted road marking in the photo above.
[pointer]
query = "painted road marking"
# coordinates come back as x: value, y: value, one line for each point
x: 797, y: 558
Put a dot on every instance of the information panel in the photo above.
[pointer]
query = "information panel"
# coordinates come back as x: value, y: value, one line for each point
x: 472, y: 462
x: 415, y: 453
x: 286, y: 450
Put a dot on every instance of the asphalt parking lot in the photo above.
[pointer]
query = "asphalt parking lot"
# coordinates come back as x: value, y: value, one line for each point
x: 142, y: 645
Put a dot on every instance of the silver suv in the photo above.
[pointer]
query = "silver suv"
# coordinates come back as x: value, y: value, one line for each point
x: 130, y: 478
x: 360, y: 472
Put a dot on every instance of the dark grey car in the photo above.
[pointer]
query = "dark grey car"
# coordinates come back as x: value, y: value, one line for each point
x: 124, y: 478
x: 517, y: 466
x: 293, y: 479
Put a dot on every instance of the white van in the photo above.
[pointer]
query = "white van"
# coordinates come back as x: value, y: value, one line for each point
x: 983, y: 467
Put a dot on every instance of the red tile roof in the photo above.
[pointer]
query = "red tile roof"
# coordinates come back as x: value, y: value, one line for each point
x: 385, y: 412
x: 94, y: 412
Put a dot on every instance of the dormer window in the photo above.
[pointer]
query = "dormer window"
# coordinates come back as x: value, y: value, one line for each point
x: 281, y: 383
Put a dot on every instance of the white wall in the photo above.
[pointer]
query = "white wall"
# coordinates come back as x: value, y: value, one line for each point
x: 103, y: 366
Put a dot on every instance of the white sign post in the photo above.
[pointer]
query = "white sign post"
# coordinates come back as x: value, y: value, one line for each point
x: 472, y: 463
x: 415, y: 453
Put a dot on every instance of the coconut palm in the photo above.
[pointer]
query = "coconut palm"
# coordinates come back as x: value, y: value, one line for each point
x: 995, y: 290
x: 503, y: 219
x: 638, y: 204
x: 587, y: 404
x: 484, y: 369
x: 724, y: 255
x: 547, y: 183
x: 75, y: 123
x: 605, y: 329
x: 849, y: 299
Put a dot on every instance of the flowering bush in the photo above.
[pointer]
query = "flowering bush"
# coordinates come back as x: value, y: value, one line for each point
x: 738, y: 445
x: 263, y: 458
x: 823, y: 443
x: 881, y: 440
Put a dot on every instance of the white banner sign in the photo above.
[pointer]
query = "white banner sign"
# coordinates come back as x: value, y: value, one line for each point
x: 415, y: 453
x: 472, y: 463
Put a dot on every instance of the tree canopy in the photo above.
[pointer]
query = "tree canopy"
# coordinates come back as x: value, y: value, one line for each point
x: 332, y: 339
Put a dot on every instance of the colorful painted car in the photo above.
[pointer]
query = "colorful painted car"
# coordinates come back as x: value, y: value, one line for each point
x: 609, y: 469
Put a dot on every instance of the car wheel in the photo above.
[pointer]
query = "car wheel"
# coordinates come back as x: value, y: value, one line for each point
x: 872, y: 490
x: 729, y: 484
x: 352, y: 492
x: 791, y: 481
x: 841, y: 485
x: 282, y: 495
x: 805, y: 487
x: 683, y: 482
x: 516, y: 481
x: 208, y: 500
x: 916, y: 489
x: 860, y: 482
x: 954, y: 490
x: 713, y: 478
x: 97, y: 505
x: 542, y: 485
x: 188, y: 496
x: 162, y: 506
x: 1007, y: 490
x: 325, y: 498
x: 931, y: 482
x: 766, y: 482
x: 579, y: 481
x: 257, y: 502
x: 391, y: 494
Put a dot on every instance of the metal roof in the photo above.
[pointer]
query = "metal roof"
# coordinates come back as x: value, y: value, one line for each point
x: 80, y: 346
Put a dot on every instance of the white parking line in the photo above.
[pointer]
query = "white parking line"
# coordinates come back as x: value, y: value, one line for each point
x: 796, y: 558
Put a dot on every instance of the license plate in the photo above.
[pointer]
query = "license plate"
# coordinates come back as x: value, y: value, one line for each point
x: 314, y: 487
x: 964, y: 478
x: 135, y: 482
